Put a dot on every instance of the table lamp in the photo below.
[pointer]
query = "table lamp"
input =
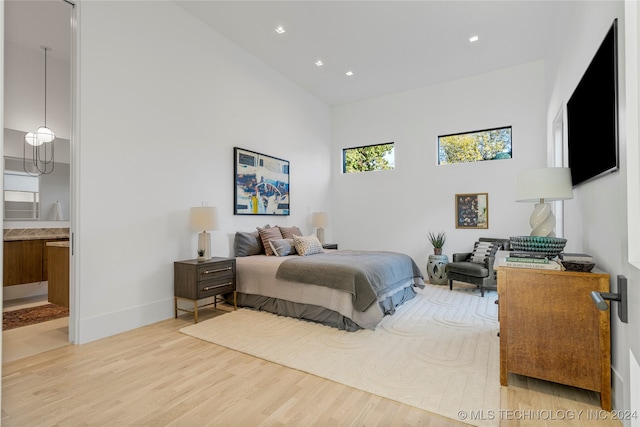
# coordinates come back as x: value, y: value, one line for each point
x: 203, y: 219
x: 320, y: 220
x: 540, y: 186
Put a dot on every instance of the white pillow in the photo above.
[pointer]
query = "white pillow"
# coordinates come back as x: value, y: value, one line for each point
x: 307, y: 245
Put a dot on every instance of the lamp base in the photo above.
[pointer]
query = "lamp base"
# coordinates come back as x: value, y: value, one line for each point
x: 542, y: 221
x: 320, y: 234
x: 204, y: 242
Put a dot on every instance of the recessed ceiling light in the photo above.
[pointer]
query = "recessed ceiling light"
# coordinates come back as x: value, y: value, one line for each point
x: 319, y: 63
x: 473, y: 39
x: 349, y: 73
x: 280, y: 29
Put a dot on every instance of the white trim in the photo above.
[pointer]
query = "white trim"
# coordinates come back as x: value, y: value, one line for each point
x: 633, y: 145
x: 74, y: 155
x: 557, y: 130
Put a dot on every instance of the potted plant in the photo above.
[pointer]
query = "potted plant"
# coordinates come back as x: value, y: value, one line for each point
x: 201, y: 255
x: 437, y: 240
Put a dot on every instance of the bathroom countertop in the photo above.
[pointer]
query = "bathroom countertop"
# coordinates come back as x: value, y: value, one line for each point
x: 12, y: 234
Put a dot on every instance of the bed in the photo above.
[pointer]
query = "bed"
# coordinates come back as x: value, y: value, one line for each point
x: 349, y: 290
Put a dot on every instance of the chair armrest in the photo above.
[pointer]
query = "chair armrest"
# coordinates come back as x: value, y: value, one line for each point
x: 463, y: 256
x: 488, y: 263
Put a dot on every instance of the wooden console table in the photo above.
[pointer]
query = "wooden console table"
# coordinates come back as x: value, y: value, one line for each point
x: 551, y: 329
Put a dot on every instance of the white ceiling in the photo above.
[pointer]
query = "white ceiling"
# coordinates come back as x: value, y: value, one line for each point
x: 391, y: 46
x: 36, y: 23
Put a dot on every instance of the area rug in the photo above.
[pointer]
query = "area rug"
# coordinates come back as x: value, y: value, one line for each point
x: 32, y: 315
x: 438, y: 352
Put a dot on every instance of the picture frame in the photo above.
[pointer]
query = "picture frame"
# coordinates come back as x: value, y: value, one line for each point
x: 472, y: 210
x: 261, y: 184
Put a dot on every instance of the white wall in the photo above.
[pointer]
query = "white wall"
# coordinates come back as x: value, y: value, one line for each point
x: 596, y: 219
x: 24, y: 91
x: 162, y: 102
x: 394, y: 210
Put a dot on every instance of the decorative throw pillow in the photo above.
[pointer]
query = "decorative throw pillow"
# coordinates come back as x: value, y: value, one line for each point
x: 309, y: 245
x: 247, y: 244
x: 482, y: 250
x: 289, y: 232
x: 267, y: 234
x: 282, y: 247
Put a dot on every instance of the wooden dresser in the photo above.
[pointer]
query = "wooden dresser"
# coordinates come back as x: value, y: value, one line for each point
x: 551, y: 329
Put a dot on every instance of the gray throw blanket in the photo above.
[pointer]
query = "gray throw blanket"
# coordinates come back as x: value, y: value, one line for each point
x: 364, y: 274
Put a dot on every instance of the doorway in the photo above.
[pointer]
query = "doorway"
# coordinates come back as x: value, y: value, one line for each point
x: 38, y: 75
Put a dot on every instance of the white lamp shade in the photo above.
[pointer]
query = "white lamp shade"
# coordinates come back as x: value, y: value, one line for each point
x: 32, y: 139
x: 204, y: 218
x: 44, y: 134
x: 319, y: 219
x: 550, y: 184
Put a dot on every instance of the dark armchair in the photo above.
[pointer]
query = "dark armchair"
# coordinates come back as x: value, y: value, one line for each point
x: 477, y: 267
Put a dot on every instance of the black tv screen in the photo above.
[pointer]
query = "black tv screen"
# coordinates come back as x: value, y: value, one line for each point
x: 592, y: 115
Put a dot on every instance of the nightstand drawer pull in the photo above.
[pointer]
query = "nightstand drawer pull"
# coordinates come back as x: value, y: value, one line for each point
x: 208, y: 288
x: 217, y: 271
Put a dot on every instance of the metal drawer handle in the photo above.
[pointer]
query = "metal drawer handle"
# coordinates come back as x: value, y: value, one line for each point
x: 216, y: 271
x: 208, y: 288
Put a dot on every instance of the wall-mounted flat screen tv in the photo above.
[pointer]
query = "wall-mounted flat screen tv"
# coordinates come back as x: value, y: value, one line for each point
x: 592, y: 115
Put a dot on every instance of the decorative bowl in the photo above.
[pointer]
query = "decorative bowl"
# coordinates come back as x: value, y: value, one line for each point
x: 584, y: 266
x: 550, y: 246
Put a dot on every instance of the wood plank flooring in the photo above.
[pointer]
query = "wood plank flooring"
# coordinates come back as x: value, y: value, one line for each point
x: 156, y: 376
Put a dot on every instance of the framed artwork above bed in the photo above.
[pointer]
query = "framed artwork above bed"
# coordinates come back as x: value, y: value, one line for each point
x: 472, y: 210
x: 261, y: 184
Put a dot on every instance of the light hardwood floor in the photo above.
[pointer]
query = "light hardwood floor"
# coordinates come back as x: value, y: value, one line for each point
x: 156, y: 376
x: 29, y: 340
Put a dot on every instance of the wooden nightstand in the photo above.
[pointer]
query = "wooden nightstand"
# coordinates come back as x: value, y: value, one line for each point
x: 330, y: 246
x: 195, y: 280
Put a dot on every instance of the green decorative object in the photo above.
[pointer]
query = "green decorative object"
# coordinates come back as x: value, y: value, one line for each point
x: 551, y: 246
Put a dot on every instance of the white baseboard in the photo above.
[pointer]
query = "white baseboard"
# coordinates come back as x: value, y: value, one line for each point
x: 105, y: 325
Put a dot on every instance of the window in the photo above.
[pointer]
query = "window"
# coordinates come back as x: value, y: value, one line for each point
x: 368, y: 158
x: 488, y: 144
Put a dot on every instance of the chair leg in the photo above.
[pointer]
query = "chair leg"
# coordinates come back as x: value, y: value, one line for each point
x: 481, y: 291
x: 450, y: 284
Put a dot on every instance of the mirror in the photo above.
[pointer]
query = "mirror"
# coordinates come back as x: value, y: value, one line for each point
x: 43, y: 198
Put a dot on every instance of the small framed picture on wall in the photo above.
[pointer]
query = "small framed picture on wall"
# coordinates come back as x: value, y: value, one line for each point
x: 472, y: 210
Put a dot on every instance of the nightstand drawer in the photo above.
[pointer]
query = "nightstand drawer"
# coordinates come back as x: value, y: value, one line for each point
x: 217, y: 270
x: 216, y: 287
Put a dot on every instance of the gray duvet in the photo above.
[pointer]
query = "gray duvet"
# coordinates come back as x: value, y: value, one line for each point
x: 366, y: 275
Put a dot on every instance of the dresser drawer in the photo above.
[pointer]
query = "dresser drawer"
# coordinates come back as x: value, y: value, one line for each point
x: 214, y: 271
x: 216, y: 287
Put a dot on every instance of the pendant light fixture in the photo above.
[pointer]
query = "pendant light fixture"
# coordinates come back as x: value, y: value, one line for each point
x: 40, y: 141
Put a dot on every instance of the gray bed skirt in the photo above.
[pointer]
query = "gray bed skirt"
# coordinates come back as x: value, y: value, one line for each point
x: 319, y: 314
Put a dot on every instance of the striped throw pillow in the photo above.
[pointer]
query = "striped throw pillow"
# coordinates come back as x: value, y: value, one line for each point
x: 266, y: 234
x: 289, y: 232
x: 482, y: 250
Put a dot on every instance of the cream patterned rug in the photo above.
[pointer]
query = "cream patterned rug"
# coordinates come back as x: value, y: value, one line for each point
x: 439, y: 352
